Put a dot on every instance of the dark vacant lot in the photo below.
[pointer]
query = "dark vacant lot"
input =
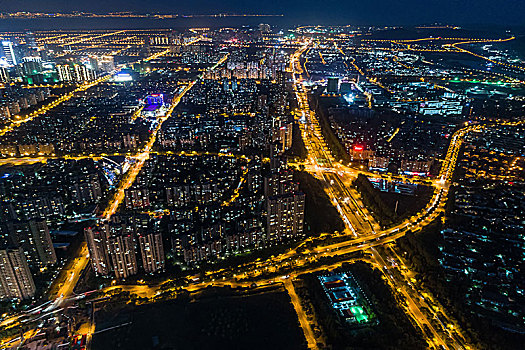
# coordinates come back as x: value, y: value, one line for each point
x: 262, y: 321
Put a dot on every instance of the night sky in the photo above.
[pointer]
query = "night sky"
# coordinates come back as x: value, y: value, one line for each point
x: 501, y: 12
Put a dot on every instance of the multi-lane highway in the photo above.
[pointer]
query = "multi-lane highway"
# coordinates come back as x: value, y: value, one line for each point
x: 62, y: 290
x: 439, y: 329
x: 362, y: 224
x: 362, y: 234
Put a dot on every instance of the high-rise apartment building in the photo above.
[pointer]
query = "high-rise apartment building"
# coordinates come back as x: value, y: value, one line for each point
x: 9, y: 53
x: 4, y: 75
x: 285, y: 216
x: 40, y: 241
x: 113, y: 245
x: 34, y: 238
x: 97, y: 242
x: 279, y: 183
x: 86, y: 190
x: 121, y: 244
x: 83, y: 73
x: 333, y: 86
x: 64, y: 72
x: 16, y: 281
x: 31, y: 65
x: 152, y: 251
x: 282, y: 133
x: 136, y: 198
x: 5, y: 115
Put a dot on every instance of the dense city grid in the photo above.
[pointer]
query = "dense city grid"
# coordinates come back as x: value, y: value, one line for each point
x: 372, y: 175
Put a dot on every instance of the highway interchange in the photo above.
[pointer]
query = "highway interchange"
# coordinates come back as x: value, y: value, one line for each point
x: 362, y: 232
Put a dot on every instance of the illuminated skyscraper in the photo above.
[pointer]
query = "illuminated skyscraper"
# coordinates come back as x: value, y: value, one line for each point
x: 9, y: 53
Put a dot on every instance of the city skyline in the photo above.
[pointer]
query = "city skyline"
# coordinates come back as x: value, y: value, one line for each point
x: 376, y: 12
